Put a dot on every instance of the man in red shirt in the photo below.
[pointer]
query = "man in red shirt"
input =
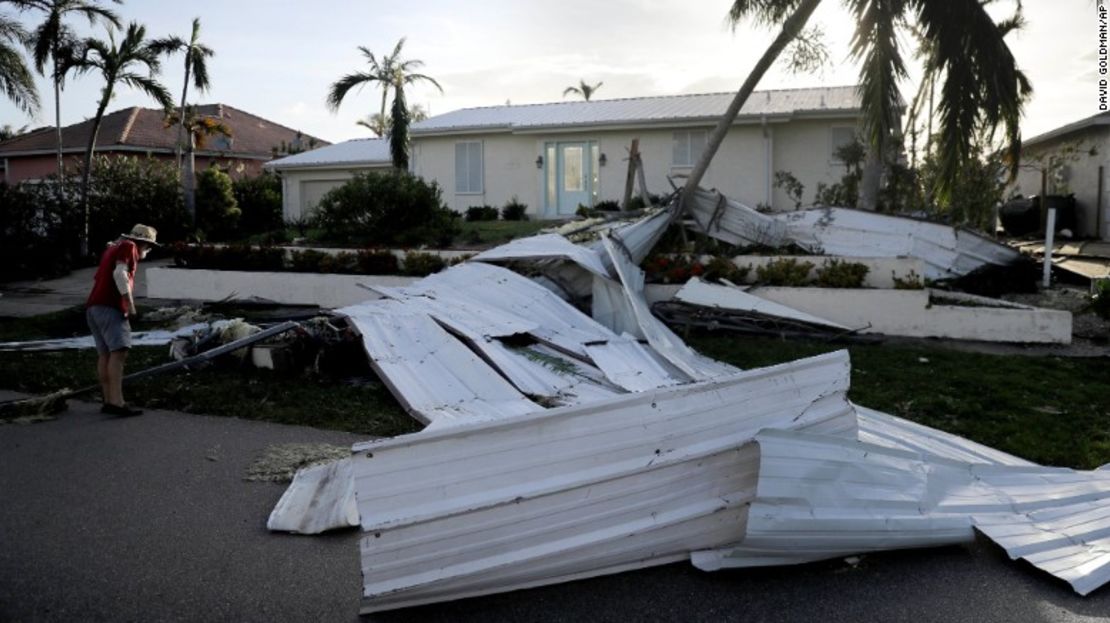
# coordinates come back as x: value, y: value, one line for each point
x: 109, y: 308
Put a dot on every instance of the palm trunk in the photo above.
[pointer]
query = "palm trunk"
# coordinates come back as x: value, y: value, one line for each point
x: 790, y: 30
x: 181, y: 115
x: 188, y: 179
x: 87, y: 173
x: 58, y: 116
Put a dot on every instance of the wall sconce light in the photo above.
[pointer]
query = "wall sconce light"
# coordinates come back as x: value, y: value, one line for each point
x: 539, y: 162
x: 601, y: 160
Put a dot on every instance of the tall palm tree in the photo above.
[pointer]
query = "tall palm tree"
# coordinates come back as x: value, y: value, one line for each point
x: 585, y: 90
x: 196, y: 67
x: 198, y: 128
x: 392, y: 72
x: 53, y: 41
x: 380, y: 126
x: 16, y: 80
x: 981, y: 88
x: 118, y: 64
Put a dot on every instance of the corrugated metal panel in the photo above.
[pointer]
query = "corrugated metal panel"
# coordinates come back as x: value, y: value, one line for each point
x: 320, y: 498
x: 661, y: 338
x: 434, y: 376
x: 822, y: 497
x: 579, y: 491
x: 707, y: 107
x: 698, y: 292
x: 139, y: 338
x: 630, y: 365
x: 734, y: 222
x: 359, y: 151
x: 882, y: 429
x: 545, y: 247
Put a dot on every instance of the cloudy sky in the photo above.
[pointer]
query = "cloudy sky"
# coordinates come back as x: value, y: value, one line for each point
x: 276, y: 58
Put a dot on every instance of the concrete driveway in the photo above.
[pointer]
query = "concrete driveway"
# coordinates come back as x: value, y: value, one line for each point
x: 149, y: 519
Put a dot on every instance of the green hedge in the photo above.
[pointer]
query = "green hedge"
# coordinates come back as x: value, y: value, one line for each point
x: 275, y: 259
x: 388, y: 209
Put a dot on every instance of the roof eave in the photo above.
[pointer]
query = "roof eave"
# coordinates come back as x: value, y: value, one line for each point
x: 276, y: 165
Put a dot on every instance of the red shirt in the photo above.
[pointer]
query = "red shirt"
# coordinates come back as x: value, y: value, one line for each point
x: 104, y: 290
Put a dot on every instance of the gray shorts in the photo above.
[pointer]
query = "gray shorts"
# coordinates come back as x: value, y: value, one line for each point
x: 110, y: 328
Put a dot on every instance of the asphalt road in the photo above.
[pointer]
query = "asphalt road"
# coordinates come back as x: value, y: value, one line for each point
x: 149, y: 519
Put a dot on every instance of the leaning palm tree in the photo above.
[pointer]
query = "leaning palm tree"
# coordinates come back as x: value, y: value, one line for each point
x: 586, y: 91
x: 981, y: 88
x: 198, y: 128
x: 118, y: 64
x: 53, y: 41
x: 16, y: 80
x: 196, y: 67
x: 392, y: 72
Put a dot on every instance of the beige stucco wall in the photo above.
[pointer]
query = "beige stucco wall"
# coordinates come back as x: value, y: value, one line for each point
x: 741, y: 169
x: 1082, y: 176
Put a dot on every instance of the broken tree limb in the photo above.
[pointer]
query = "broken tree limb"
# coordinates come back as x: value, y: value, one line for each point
x: 633, y: 164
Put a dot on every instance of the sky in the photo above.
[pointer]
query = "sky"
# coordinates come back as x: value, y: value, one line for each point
x: 277, y: 58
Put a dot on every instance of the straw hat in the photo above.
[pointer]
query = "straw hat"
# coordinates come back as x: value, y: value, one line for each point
x: 143, y: 233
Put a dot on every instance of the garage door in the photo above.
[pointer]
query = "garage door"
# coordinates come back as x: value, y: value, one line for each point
x: 313, y: 191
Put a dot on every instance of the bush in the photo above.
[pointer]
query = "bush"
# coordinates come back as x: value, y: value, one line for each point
x: 671, y: 269
x: 233, y: 257
x: 722, y: 268
x: 419, y: 264
x: 1100, y: 297
x: 218, y: 212
x: 124, y: 191
x: 784, y: 272
x: 34, y: 240
x: 259, y: 200
x: 840, y: 274
x: 386, y: 209
x: 912, y: 281
x: 514, y: 210
x: 481, y: 213
x: 609, y: 205
x: 378, y: 263
x: 307, y: 261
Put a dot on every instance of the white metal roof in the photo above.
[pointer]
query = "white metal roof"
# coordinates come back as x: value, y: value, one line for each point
x: 358, y: 151
x: 659, y: 110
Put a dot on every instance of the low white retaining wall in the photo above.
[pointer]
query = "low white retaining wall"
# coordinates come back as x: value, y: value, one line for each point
x: 880, y: 274
x: 328, y: 291
x: 909, y: 313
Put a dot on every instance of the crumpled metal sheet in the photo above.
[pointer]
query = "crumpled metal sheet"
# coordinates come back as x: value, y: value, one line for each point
x: 698, y: 292
x: 628, y: 482
x: 733, y: 222
x: 820, y: 497
x: 320, y: 498
x: 139, y: 338
x: 545, y: 247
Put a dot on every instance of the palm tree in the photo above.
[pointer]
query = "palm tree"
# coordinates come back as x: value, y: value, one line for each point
x: 53, y: 41
x: 391, y: 72
x: 118, y: 65
x: 199, y: 128
x: 380, y: 126
x: 196, y: 67
x: 980, y: 86
x: 9, y: 131
x: 16, y: 80
x: 585, y: 90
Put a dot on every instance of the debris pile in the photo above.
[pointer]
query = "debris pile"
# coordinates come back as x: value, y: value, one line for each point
x: 564, y: 444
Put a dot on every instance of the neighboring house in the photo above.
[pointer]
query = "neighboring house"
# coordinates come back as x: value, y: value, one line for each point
x: 555, y: 157
x: 143, y: 131
x: 305, y: 177
x: 1075, y: 159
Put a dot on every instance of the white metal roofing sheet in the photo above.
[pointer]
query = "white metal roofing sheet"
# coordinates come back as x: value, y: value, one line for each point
x: 545, y: 247
x: 576, y: 491
x: 320, y: 498
x: 698, y: 292
x: 707, y: 107
x: 359, y: 151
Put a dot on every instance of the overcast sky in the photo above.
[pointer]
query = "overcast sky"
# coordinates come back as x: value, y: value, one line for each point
x: 276, y: 58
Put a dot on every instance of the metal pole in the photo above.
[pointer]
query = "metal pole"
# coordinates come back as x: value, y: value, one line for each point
x: 1049, y: 235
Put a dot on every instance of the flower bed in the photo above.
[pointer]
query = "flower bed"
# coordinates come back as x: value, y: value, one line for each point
x: 251, y: 258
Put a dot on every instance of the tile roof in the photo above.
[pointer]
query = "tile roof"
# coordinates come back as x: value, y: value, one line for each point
x: 642, y: 110
x: 355, y: 151
x: 139, y: 128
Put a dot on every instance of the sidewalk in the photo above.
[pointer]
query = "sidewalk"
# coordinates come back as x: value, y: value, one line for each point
x: 22, y: 299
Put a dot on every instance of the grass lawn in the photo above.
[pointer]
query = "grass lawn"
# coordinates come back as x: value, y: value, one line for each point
x: 1050, y: 410
x: 497, y: 232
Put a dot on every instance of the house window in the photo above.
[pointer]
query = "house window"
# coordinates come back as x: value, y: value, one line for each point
x: 687, y: 147
x: 840, y: 137
x: 468, y: 167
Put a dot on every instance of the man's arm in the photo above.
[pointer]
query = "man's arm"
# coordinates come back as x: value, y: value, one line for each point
x: 123, y: 284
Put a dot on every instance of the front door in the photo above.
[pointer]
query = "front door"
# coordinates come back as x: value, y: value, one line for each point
x: 573, y: 177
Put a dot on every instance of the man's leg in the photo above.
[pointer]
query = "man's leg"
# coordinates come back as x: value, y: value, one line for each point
x: 102, y: 377
x: 116, y: 359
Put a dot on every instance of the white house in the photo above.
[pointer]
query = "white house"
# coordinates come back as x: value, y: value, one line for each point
x: 306, y: 176
x: 1075, y: 159
x: 556, y: 157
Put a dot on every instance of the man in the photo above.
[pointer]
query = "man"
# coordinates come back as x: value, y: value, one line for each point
x: 109, y: 308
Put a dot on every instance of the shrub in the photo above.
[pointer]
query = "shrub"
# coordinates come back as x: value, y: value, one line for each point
x: 672, y: 269
x: 343, y: 262
x: 840, y: 274
x: 1100, y: 297
x: 784, y: 272
x: 128, y: 190
x: 722, y: 268
x: 259, y: 200
x: 218, y: 212
x: 418, y: 264
x: 481, y: 213
x: 34, y: 239
x: 378, y: 263
x: 912, y: 281
x: 609, y: 205
x: 386, y: 209
x: 307, y: 261
x: 514, y: 210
